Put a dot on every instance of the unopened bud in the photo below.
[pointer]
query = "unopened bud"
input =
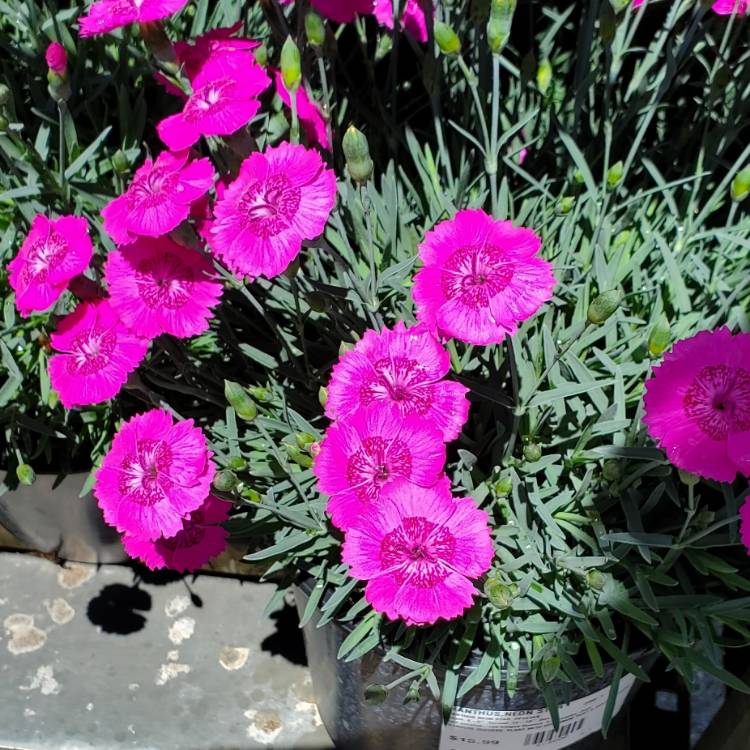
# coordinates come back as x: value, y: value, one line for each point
x: 240, y: 400
x: 4, y: 95
x: 57, y: 59
x: 619, y: 5
x: 225, y: 480
x: 741, y: 185
x: 544, y: 76
x: 291, y: 71
x: 504, y: 486
x: 303, y: 459
x: 596, y: 579
x: 26, y: 475
x: 261, y: 55
x: 237, y: 463
x: 120, y: 162
x: 614, y: 174
x: 603, y: 306
x: 565, y: 205
x: 611, y: 470
x: 447, y: 39
x: 688, y: 478
x: 375, y: 694
x: 259, y: 393
x: 532, y: 452
x: 357, y: 153
x: 304, y: 440
x: 658, y: 339
x: 322, y: 396
x: 315, y: 30
x: 499, y: 593
x: 499, y: 25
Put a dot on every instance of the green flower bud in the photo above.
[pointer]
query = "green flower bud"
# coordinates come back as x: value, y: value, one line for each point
x: 578, y: 177
x: 54, y: 399
x: 303, y: 459
x: 345, y: 347
x: 59, y: 86
x: 120, y: 162
x: 532, y: 452
x: 261, y: 55
x: 252, y: 495
x: 239, y: 399
x: 741, y: 185
x: 447, y: 39
x: 292, y: 269
x: 603, y: 306
x: 614, y: 174
x: 658, y: 339
x: 504, y: 486
x: 499, y: 25
x: 225, y: 480
x: 565, y: 205
x: 375, y: 694
x: 304, y: 440
x: 291, y: 71
x: 259, y: 393
x: 688, y: 478
x: 384, y: 46
x: 412, y: 694
x: 550, y: 668
x: 596, y: 579
x: 4, y: 94
x: 323, y: 396
x: 26, y: 475
x: 499, y: 593
x: 237, y: 463
x: 544, y: 76
x: 357, y: 152
x: 611, y: 470
x: 315, y: 30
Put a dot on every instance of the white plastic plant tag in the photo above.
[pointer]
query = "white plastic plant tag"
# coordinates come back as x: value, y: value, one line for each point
x: 472, y: 729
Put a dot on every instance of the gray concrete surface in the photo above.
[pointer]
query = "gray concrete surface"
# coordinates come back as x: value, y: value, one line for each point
x: 91, y: 661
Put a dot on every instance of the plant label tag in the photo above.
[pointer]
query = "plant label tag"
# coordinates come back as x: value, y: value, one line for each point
x: 472, y: 728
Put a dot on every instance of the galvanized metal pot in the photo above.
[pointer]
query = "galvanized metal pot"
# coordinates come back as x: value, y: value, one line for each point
x: 49, y: 516
x: 356, y: 725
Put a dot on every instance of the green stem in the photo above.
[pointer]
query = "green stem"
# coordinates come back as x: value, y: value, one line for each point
x: 510, y: 355
x: 61, y: 157
x: 491, y: 160
x: 294, y: 130
x: 366, y: 206
x: 471, y: 81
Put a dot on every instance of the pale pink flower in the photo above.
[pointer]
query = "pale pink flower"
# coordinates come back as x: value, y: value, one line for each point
x: 159, y: 197
x: 106, y: 15
x: 367, y: 451
x: 419, y: 549
x: 402, y: 370
x: 280, y: 198
x: 223, y: 100
x: 309, y: 113
x: 412, y: 17
x: 341, y: 11
x: 97, y: 354
x: 697, y: 404
x: 202, y: 538
x: 480, y: 278
x: 158, y: 286
x: 56, y: 58
x: 53, y: 252
x: 154, y: 476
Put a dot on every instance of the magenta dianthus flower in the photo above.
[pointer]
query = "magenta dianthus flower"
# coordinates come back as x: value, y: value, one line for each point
x: 202, y: 538
x: 98, y: 352
x: 107, y: 15
x: 419, y: 549
x: 158, y: 286
x: 56, y: 58
x: 367, y: 451
x: 412, y: 18
x: 697, y: 404
x: 156, y: 473
x: 280, y: 198
x: 401, y: 369
x: 159, y: 197
x: 54, y: 251
x: 341, y: 11
x: 480, y: 278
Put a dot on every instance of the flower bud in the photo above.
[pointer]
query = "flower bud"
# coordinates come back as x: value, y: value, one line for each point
x: 619, y: 5
x: 120, y: 162
x: 596, y: 579
x: 259, y: 393
x: 688, y: 478
x: 614, y: 174
x: 357, y: 153
x: 603, y: 306
x: 741, y: 185
x: 26, y: 475
x: 303, y: 459
x: 375, y: 694
x: 291, y: 71
x: 544, y: 76
x: 447, y: 39
x: 384, y: 46
x: 323, y: 396
x: 225, y: 480
x: 239, y: 399
x: 499, y: 25
x: 57, y: 59
x: 565, y: 205
x: 251, y: 495
x: 412, y: 694
x: 658, y: 339
x: 261, y: 55
x: 550, y: 668
x: 611, y: 470
x: 304, y: 440
x: 315, y: 30
x: 237, y: 463
x: 4, y: 95
x: 532, y: 452
x: 504, y: 485
x: 345, y: 347
x: 578, y: 177
x: 292, y: 269
x: 499, y: 593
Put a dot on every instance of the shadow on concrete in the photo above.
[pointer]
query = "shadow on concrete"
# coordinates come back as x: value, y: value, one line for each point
x: 117, y: 607
x: 287, y: 641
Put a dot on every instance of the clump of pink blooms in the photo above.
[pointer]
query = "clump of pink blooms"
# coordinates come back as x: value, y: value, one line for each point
x: 106, y: 15
x: 480, y: 278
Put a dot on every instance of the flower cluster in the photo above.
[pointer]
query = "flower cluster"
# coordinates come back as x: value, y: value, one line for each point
x: 154, y: 487
x: 382, y: 462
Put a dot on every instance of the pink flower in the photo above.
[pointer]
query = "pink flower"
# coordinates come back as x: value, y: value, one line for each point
x: 158, y: 286
x: 224, y: 99
x: 159, y: 197
x: 341, y: 11
x: 280, y: 198
x: 154, y: 476
x: 57, y: 58
x: 98, y: 354
x: 308, y: 112
x: 200, y: 539
x: 745, y: 524
x: 412, y: 17
x: 106, y: 15
x: 54, y: 251
x: 367, y: 451
x: 480, y: 278
x: 419, y: 549
x: 727, y: 7
x: 193, y: 56
x: 697, y: 404
x: 400, y: 369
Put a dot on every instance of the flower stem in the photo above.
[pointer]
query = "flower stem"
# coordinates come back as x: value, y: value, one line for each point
x: 471, y: 81
x: 61, y: 157
x: 294, y: 130
x: 491, y: 159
